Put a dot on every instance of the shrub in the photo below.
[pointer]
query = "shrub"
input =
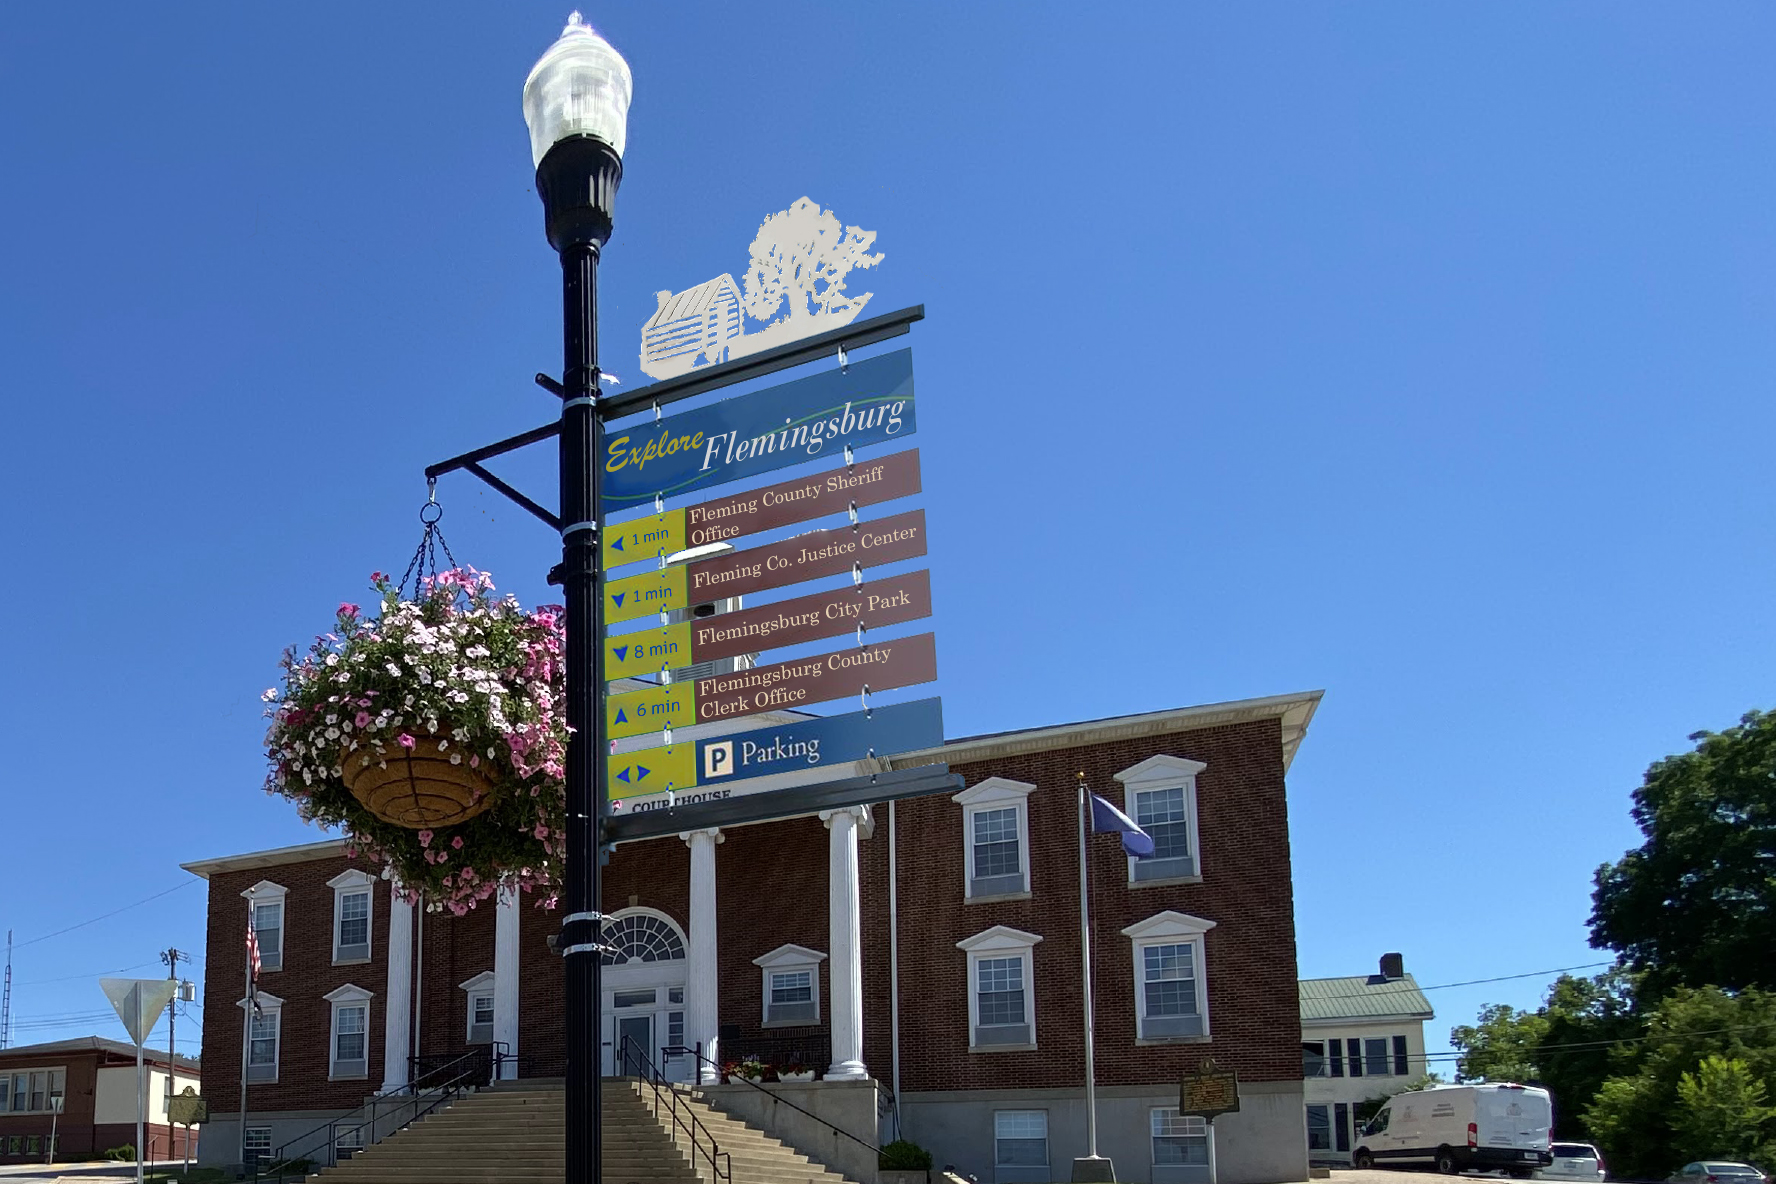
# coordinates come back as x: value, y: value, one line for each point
x: 904, y: 1156
x: 123, y: 1154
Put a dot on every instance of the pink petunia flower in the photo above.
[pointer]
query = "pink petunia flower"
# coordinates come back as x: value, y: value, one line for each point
x: 457, y: 842
x: 363, y: 718
x: 406, y: 740
x: 425, y: 838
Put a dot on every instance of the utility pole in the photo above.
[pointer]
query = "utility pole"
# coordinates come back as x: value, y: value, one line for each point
x: 172, y: 957
x: 6, y: 996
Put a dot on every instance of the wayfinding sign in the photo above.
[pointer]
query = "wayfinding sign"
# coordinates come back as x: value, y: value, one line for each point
x: 723, y: 519
x: 774, y: 565
x: 883, y: 666
x: 770, y: 626
x: 865, y: 402
x: 724, y: 764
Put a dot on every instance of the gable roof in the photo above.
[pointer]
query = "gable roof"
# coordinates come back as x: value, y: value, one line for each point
x: 1363, y: 998
x: 691, y: 302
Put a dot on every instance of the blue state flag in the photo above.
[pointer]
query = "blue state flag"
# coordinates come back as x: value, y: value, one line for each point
x: 1106, y: 817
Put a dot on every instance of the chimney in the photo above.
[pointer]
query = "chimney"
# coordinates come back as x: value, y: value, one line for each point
x: 1393, y: 966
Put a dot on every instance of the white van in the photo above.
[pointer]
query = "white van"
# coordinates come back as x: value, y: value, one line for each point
x: 1458, y: 1127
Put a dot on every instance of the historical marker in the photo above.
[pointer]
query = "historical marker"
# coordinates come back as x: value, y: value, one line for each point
x: 721, y: 761
x: 774, y: 565
x: 866, y: 402
x: 800, y: 682
x: 872, y: 605
x: 724, y: 519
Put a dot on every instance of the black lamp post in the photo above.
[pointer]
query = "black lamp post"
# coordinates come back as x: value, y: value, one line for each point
x: 576, y: 103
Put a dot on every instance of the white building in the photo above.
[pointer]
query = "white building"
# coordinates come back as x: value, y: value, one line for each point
x: 1361, y: 1038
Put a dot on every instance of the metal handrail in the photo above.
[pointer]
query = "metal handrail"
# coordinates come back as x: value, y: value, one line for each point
x: 681, y: 1050
x: 682, y: 1116
x: 448, y: 1080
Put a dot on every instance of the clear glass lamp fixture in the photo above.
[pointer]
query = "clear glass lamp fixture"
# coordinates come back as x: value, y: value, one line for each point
x: 579, y: 87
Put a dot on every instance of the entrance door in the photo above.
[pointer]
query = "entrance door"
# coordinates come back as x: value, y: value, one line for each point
x: 635, y: 1042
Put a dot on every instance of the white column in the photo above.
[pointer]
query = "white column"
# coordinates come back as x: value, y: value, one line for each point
x: 505, y: 978
x: 397, y: 1015
x: 702, y: 992
x: 845, y: 945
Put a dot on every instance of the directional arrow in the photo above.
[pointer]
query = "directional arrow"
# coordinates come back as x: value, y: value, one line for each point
x: 640, y: 771
x: 618, y: 597
x: 617, y: 543
x: 621, y: 718
x: 621, y: 651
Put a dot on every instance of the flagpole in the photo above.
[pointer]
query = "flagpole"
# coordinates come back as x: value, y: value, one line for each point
x: 1085, y: 951
x: 246, y: 1032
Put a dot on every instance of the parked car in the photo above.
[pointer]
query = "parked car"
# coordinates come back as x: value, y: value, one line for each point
x: 1573, y: 1161
x: 1718, y: 1171
x: 1502, y: 1127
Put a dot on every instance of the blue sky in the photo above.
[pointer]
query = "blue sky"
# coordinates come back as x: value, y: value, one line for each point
x: 1417, y: 353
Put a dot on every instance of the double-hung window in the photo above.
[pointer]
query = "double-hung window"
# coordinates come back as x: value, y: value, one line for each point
x: 1319, y: 1128
x: 1171, y: 980
x: 478, y: 1006
x: 1180, y: 1146
x: 791, y: 986
x: 995, y: 838
x: 265, y: 901
x: 1375, y: 1057
x: 1020, y: 1146
x: 31, y: 1091
x: 352, y: 895
x: 1001, y: 992
x: 348, y: 1054
x: 1160, y: 795
x: 257, y: 1144
x: 264, y: 1030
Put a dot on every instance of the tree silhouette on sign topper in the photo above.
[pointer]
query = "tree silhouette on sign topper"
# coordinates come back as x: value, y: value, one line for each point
x: 801, y: 256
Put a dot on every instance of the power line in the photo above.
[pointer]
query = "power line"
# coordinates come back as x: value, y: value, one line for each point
x: 68, y: 978
x: 1473, y: 982
x: 105, y: 916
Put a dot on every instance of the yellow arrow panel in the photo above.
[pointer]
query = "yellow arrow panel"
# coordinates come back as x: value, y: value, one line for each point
x: 647, y: 652
x: 644, y: 538
x: 645, y: 595
x: 640, y: 712
x: 654, y: 770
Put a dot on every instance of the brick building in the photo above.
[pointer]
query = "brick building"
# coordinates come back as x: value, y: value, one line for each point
x: 775, y: 941
x: 83, y: 1094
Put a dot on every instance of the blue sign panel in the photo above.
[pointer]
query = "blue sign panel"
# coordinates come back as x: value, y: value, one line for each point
x: 722, y: 761
x: 868, y: 402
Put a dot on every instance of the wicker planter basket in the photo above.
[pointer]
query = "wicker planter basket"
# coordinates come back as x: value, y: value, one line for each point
x: 416, y: 787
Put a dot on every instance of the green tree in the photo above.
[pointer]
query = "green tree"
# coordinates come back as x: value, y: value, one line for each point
x: 1588, y: 1019
x: 1722, y: 1112
x: 1501, y: 1046
x: 1695, y: 905
x: 1639, y: 1116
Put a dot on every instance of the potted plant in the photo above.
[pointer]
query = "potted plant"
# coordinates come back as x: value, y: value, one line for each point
x: 793, y: 1070
x: 431, y: 733
x: 751, y: 1069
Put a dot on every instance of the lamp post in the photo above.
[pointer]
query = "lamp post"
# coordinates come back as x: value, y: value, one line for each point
x: 576, y: 104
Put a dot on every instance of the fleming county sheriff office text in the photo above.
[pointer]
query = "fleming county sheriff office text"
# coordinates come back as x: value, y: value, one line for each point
x: 811, y: 435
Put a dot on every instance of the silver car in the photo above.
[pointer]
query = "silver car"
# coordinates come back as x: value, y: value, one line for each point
x: 1719, y: 1171
x: 1574, y: 1161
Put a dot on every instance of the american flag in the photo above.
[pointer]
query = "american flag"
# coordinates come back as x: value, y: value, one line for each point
x: 252, y: 963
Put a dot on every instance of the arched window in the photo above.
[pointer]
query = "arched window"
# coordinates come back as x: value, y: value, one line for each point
x: 640, y: 937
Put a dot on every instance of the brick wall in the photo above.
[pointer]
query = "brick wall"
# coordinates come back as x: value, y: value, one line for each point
x: 1246, y: 890
x: 771, y: 888
x: 308, y: 974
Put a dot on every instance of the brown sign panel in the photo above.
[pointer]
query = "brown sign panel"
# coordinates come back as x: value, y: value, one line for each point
x: 803, y: 499
x: 1209, y: 1093
x: 881, y: 666
x: 872, y: 604
x: 808, y: 557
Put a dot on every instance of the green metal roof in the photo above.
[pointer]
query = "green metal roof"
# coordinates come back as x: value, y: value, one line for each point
x: 1362, y: 998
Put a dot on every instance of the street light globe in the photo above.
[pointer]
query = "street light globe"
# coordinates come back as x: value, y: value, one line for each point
x: 579, y: 87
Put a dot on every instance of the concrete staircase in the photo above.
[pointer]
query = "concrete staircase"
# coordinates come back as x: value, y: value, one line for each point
x: 516, y: 1132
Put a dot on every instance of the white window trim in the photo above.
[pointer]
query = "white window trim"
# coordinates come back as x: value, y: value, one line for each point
x: 1007, y: 1169
x: 273, y: 1007
x: 266, y: 892
x: 1171, y: 1171
x: 350, y: 995
x: 481, y: 984
x: 1164, y: 772
x: 785, y: 958
x: 344, y: 884
x: 1001, y: 941
x: 995, y: 793
x: 1170, y: 928
x: 48, y: 1087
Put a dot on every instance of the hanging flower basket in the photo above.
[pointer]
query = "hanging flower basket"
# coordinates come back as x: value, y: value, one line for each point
x: 431, y: 734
